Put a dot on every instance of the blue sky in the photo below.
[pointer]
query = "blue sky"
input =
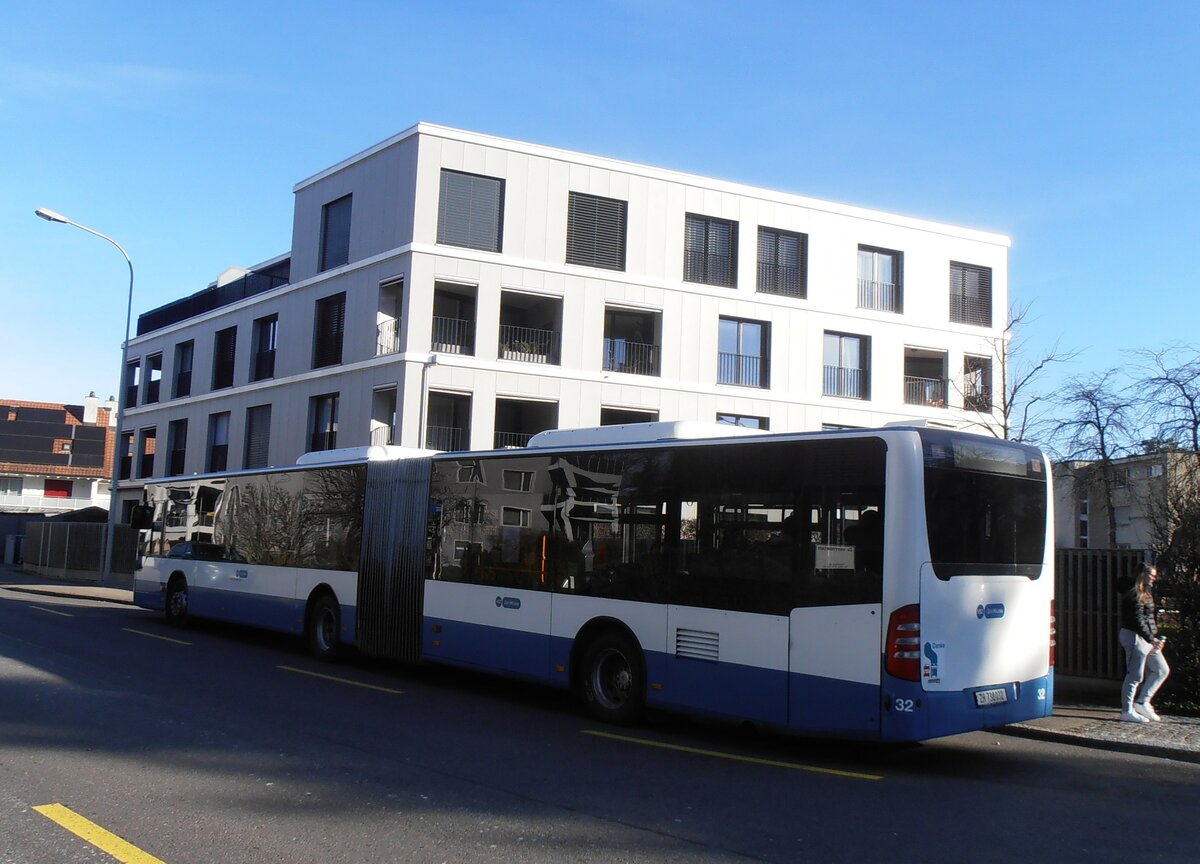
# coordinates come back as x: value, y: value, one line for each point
x: 180, y: 129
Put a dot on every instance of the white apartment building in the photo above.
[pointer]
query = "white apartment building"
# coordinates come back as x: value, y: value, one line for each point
x: 459, y: 291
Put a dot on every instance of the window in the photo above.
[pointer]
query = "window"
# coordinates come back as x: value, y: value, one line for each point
x: 57, y: 488
x: 879, y: 280
x: 748, y: 421
x: 183, y: 370
x: 328, y: 330
x: 710, y: 251
x: 323, y: 422
x: 258, y: 437
x: 782, y: 263
x: 470, y: 211
x: 742, y: 353
x: 596, y: 231
x: 453, y: 319
x: 517, y: 481
x: 335, y: 233
x: 153, y: 377
x: 925, y: 377
x: 133, y: 380
x: 218, y: 442
x: 515, y: 517
x: 10, y: 485
x: 262, y: 348
x: 224, y: 354
x: 970, y: 294
x: 846, y: 363
x: 125, y: 451
x: 176, y: 447
x: 977, y: 383
x: 449, y: 422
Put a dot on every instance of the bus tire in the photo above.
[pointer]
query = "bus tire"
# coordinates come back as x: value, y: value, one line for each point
x: 324, y: 627
x: 613, y: 682
x: 175, y: 605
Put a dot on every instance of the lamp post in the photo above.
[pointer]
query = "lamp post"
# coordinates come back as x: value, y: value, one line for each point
x: 51, y: 216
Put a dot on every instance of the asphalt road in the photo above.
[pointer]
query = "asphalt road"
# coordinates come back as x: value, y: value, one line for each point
x: 223, y: 744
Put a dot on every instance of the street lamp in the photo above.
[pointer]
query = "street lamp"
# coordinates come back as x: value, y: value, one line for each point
x: 51, y: 216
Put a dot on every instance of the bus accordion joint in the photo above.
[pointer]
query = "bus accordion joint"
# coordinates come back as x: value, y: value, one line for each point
x: 904, y: 643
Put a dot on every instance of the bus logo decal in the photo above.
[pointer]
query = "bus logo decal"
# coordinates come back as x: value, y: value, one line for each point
x: 991, y: 610
x: 508, y: 602
x: 930, y: 670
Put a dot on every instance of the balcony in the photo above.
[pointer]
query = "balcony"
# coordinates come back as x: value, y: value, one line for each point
x: 387, y: 340
x: 445, y: 437
x: 930, y: 392
x: 880, y: 296
x: 211, y: 298
x: 452, y: 335
x: 743, y: 370
x: 17, y: 503
x: 264, y: 365
x: 507, y: 440
x: 382, y: 436
x: 845, y: 381
x: 632, y: 358
x: 529, y: 344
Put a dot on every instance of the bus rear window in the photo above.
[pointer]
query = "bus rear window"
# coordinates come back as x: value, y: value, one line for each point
x: 985, y: 507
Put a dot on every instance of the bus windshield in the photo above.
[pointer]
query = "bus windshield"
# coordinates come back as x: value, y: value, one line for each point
x: 985, y: 506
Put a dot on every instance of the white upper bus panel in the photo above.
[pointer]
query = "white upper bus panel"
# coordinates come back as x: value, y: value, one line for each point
x: 630, y: 433
x: 372, y: 453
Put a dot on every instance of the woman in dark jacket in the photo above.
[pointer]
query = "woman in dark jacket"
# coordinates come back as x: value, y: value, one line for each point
x: 1144, y: 661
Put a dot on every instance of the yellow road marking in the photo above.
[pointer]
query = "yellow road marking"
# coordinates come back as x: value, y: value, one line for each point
x: 51, y: 611
x: 341, y: 680
x: 754, y: 760
x: 155, y: 636
x: 91, y: 832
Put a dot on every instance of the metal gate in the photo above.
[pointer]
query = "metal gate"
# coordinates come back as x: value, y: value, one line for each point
x: 1085, y: 591
x: 391, y: 575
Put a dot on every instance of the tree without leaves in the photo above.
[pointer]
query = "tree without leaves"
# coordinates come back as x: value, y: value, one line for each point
x: 1097, y: 429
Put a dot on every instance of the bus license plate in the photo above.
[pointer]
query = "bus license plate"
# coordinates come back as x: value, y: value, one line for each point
x: 995, y: 696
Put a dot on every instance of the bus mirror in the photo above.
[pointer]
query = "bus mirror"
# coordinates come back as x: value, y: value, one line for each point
x: 141, y: 517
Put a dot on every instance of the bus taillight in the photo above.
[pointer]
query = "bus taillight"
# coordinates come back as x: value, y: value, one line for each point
x: 904, y: 643
x: 1053, y: 632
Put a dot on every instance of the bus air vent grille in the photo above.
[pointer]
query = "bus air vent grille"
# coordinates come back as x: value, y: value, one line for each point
x: 697, y: 644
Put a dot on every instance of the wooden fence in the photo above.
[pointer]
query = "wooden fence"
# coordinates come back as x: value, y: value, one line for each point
x: 1085, y: 592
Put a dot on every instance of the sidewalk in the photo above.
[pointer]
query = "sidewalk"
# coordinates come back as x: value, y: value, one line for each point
x: 1085, y: 712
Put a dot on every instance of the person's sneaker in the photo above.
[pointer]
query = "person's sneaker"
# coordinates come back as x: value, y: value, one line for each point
x: 1146, y: 711
x: 1132, y: 717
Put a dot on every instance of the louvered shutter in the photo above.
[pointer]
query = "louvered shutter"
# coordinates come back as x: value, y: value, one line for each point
x: 596, y: 231
x: 470, y: 211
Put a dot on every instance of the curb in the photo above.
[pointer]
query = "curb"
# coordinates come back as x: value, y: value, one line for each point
x: 1156, y: 751
x: 77, y: 595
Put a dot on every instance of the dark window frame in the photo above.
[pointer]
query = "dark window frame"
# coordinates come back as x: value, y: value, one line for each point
x: 470, y: 211
x: 597, y: 231
x: 336, y: 219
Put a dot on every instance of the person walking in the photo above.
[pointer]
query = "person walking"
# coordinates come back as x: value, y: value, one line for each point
x: 1145, y: 666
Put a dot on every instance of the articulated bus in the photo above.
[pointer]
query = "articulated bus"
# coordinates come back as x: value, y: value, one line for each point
x: 892, y: 584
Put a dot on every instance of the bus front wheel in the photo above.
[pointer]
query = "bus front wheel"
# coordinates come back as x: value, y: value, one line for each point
x: 614, y: 680
x: 324, y: 627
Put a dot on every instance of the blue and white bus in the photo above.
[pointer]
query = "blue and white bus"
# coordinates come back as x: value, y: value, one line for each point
x: 893, y: 583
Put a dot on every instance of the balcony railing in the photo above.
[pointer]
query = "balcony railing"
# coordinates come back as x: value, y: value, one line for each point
x: 381, y: 436
x: 528, y: 344
x: 779, y: 279
x: 633, y: 358
x: 322, y: 441
x: 745, y: 370
x: 881, y: 296
x: 965, y: 309
x: 511, y: 439
x: 444, y: 437
x: 152, y: 389
x: 930, y: 392
x: 845, y: 381
x: 452, y: 335
x: 264, y: 365
x: 388, y: 339
x: 708, y: 269
x: 977, y: 398
x: 40, y: 503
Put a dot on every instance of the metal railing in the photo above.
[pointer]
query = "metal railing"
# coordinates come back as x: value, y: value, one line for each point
x: 977, y: 398
x: 322, y: 441
x: 511, y: 439
x: 881, y: 296
x: 452, y: 335
x: 971, y: 310
x: 634, y: 358
x: 1085, y: 610
x: 387, y: 340
x: 844, y: 381
x: 381, y: 436
x: 444, y: 437
x: 709, y: 269
x: 40, y: 503
x: 925, y: 391
x: 746, y: 370
x: 529, y: 344
x: 780, y: 279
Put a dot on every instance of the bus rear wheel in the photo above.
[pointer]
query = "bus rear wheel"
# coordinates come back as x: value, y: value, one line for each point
x: 614, y: 680
x: 324, y: 627
x: 176, y: 603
